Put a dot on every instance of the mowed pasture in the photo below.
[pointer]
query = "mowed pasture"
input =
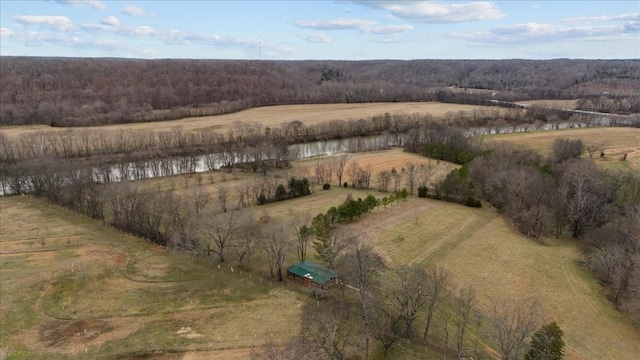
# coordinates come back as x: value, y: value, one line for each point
x: 276, y: 116
x: 84, y: 290
x: 75, y: 288
x: 618, y: 141
x: 554, y: 104
x: 481, y: 249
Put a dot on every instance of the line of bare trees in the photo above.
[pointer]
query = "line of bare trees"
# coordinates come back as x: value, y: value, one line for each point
x: 87, y: 143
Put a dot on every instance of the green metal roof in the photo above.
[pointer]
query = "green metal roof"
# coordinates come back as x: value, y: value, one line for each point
x: 319, y: 274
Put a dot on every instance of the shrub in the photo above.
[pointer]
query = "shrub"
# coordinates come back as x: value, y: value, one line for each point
x: 471, y: 202
x: 326, y: 186
x: 281, y: 193
x: 423, y: 191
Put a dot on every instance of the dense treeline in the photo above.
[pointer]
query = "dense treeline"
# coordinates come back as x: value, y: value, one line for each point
x: 82, y: 92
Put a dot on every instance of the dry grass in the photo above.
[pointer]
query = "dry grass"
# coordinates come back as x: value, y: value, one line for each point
x: 275, y: 116
x: 110, y: 293
x: 132, y: 296
x: 480, y: 248
x: 619, y: 140
x: 556, y: 104
x: 505, y: 266
x: 185, y: 186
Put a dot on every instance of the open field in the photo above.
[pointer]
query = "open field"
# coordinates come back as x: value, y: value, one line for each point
x: 234, y: 183
x: 481, y: 249
x: 130, y: 296
x: 275, y: 116
x: 105, y: 293
x: 74, y: 288
x: 619, y: 141
x: 554, y: 104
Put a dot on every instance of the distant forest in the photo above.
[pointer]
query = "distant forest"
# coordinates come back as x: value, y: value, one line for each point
x: 83, y: 92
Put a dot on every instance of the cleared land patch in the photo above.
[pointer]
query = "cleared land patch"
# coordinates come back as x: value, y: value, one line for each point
x: 619, y: 141
x: 481, y: 249
x: 275, y: 116
x: 101, y: 297
x: 554, y: 104
x: 504, y: 265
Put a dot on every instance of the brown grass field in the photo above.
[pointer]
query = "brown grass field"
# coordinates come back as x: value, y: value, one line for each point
x: 619, y: 140
x: 481, y: 249
x: 275, y: 116
x: 210, y: 182
x: 74, y: 288
x: 84, y: 290
x: 556, y: 104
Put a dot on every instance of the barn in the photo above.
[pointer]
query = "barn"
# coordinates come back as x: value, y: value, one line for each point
x: 312, y: 274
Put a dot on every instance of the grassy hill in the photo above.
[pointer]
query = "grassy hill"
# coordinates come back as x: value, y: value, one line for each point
x: 72, y: 287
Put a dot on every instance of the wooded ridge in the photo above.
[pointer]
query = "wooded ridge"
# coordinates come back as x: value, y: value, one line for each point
x: 85, y: 91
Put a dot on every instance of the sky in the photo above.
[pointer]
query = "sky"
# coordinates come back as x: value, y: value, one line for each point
x: 321, y: 29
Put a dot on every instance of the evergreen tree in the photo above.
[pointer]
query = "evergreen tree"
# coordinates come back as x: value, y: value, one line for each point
x: 546, y: 343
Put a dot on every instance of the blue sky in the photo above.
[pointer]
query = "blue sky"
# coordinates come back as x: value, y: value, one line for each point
x: 343, y: 30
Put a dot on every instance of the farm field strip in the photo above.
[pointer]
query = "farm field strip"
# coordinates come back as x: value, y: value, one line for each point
x: 275, y: 116
x: 619, y: 141
x: 554, y: 104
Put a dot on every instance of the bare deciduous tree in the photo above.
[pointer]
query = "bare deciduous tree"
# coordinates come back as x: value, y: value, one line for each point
x: 411, y: 171
x: 513, y: 324
x: 302, y: 232
x: 219, y: 230
x: 362, y: 266
x: 406, y: 290
x: 437, y: 281
x: 465, y: 302
x: 327, y: 326
x: 200, y: 199
x: 223, y: 194
x: 275, y: 241
x: 246, y: 235
x: 340, y: 166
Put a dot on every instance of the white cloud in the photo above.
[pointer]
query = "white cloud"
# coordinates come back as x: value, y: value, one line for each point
x: 632, y: 26
x: 438, y: 11
x: 133, y: 10
x: 337, y: 24
x: 604, y: 18
x: 111, y: 21
x: 365, y: 26
x: 316, y: 38
x: 548, y: 32
x: 386, y: 30
x: 91, y: 3
x: 136, y: 31
x: 176, y: 37
x: 57, y: 23
x: 5, y: 33
x: 112, y: 25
